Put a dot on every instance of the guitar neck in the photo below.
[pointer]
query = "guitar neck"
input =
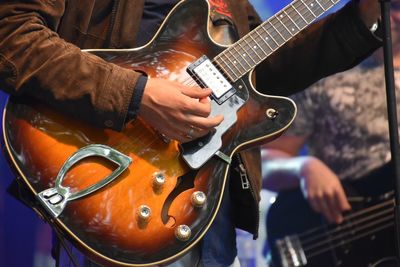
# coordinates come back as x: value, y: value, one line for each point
x: 260, y: 43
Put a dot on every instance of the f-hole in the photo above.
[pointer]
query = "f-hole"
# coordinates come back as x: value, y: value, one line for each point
x: 183, y: 183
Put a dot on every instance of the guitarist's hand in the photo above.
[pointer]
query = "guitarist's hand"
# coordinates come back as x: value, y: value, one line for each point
x: 323, y: 190
x: 177, y: 111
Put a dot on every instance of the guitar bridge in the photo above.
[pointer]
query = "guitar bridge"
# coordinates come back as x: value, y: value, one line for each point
x: 291, y: 252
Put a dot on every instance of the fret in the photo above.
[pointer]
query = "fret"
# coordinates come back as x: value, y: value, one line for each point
x: 303, y: 22
x: 321, y: 6
x: 258, y: 46
x: 276, y: 30
x: 309, y: 9
x: 229, y: 71
x: 264, y: 40
x: 246, y: 52
x: 252, y: 50
x: 238, y: 59
x: 243, y: 54
x: 328, y: 4
x: 268, y: 38
x: 219, y: 60
x: 305, y: 12
x: 271, y: 40
x: 315, y: 7
x: 293, y: 22
x: 232, y: 63
x: 273, y: 34
x: 289, y: 30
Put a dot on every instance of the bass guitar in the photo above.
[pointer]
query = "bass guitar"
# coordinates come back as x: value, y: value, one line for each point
x: 129, y: 198
x: 298, y: 236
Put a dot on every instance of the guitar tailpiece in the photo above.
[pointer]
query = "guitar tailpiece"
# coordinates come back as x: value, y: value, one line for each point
x: 55, y: 199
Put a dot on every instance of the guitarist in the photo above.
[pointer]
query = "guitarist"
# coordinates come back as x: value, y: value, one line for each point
x: 343, y: 121
x: 40, y: 59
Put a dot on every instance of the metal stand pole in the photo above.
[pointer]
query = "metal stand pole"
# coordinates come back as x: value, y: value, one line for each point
x: 392, y: 110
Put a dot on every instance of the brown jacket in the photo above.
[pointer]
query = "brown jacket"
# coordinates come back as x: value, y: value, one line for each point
x: 40, y: 58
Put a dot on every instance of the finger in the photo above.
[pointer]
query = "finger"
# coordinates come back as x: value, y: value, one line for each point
x: 324, y: 209
x: 205, y: 123
x: 333, y: 208
x: 196, y: 107
x: 315, y: 203
x: 195, y: 92
x: 205, y: 100
x: 194, y: 127
x: 198, y: 101
x: 342, y: 201
x: 319, y: 205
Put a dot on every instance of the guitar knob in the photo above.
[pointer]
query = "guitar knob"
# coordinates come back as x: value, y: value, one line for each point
x: 198, y: 199
x: 158, y: 181
x: 183, y: 232
x: 144, y: 213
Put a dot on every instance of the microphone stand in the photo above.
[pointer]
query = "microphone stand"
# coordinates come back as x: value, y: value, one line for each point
x: 392, y: 111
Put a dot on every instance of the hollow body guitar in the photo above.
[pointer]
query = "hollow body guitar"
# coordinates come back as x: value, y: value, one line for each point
x: 129, y: 198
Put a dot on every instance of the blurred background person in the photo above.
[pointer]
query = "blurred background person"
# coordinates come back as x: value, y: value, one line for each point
x: 343, y: 122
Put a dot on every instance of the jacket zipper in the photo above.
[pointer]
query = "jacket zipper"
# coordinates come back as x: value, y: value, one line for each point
x: 243, y: 174
x: 246, y: 184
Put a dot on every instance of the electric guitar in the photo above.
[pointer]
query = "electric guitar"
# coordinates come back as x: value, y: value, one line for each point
x: 129, y: 198
x: 298, y: 236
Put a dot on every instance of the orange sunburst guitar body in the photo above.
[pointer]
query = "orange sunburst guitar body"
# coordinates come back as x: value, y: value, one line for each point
x: 150, y: 211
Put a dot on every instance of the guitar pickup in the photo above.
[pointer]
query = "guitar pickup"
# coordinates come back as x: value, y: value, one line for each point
x: 204, y: 72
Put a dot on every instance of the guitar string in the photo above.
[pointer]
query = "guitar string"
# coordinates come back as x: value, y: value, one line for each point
x: 351, y: 229
x: 134, y: 136
x: 139, y: 137
x: 349, y: 217
x: 330, y: 244
x: 298, y: 18
x: 276, y: 33
x: 346, y: 241
x: 296, y: 12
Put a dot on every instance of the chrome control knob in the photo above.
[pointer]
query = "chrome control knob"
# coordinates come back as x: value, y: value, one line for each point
x: 144, y: 213
x: 198, y: 199
x: 158, y: 181
x: 183, y: 232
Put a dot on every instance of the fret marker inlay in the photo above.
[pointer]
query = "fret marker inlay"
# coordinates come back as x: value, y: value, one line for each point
x: 243, y: 56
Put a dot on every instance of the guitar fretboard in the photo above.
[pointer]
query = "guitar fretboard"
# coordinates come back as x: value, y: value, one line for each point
x: 257, y: 45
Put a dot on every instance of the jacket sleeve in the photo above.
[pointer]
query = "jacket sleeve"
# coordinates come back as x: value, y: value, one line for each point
x: 36, y: 63
x: 333, y: 44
